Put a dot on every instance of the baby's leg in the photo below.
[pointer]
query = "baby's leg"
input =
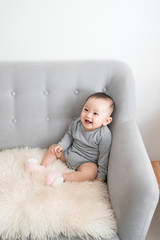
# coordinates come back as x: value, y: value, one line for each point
x: 85, y: 172
x: 50, y: 156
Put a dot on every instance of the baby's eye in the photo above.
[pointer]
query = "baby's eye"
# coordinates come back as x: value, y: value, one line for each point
x: 95, y: 113
x: 85, y: 109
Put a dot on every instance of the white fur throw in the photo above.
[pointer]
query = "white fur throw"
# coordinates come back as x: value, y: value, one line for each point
x: 30, y: 208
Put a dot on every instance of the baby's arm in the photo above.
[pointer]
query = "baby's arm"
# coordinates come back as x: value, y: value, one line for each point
x: 67, y: 139
x: 57, y: 149
x: 104, y: 149
x: 53, y: 153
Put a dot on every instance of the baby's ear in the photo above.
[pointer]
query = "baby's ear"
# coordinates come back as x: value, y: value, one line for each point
x: 108, y: 121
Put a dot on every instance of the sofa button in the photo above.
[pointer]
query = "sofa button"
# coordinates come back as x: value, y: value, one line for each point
x: 13, y: 93
x: 47, y: 119
x: 45, y: 92
x: 76, y: 92
x: 14, y: 120
x: 104, y: 90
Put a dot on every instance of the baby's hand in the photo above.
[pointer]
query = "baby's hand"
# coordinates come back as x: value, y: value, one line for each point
x: 58, y: 149
x: 100, y: 180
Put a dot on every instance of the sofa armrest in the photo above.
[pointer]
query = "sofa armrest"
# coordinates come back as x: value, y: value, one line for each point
x: 131, y: 181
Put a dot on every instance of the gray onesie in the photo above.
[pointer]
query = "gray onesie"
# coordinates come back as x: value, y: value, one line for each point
x: 82, y: 147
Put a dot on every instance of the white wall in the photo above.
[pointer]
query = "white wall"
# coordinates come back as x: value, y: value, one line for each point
x: 92, y: 29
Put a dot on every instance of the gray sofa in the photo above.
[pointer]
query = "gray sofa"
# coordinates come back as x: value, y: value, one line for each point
x: 38, y: 101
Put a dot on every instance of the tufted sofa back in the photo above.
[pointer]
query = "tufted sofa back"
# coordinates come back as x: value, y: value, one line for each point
x: 38, y: 100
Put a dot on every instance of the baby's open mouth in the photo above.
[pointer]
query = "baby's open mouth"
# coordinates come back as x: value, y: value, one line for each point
x: 87, y: 121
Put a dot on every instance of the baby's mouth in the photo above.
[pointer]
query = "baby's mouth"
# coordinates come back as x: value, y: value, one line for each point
x: 87, y: 121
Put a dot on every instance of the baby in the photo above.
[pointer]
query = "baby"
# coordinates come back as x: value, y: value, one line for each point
x: 85, y: 146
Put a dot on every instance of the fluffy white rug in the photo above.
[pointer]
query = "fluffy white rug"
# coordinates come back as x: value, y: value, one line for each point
x: 30, y: 208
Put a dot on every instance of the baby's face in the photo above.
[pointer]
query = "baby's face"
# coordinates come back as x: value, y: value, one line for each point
x: 95, y: 114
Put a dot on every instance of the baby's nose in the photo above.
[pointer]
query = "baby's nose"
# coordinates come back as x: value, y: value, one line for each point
x: 89, y: 114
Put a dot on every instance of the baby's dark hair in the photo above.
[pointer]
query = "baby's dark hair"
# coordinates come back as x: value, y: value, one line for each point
x: 101, y: 95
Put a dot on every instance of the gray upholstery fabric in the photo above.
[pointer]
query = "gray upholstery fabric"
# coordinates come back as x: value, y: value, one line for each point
x: 39, y: 100
x: 63, y: 238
